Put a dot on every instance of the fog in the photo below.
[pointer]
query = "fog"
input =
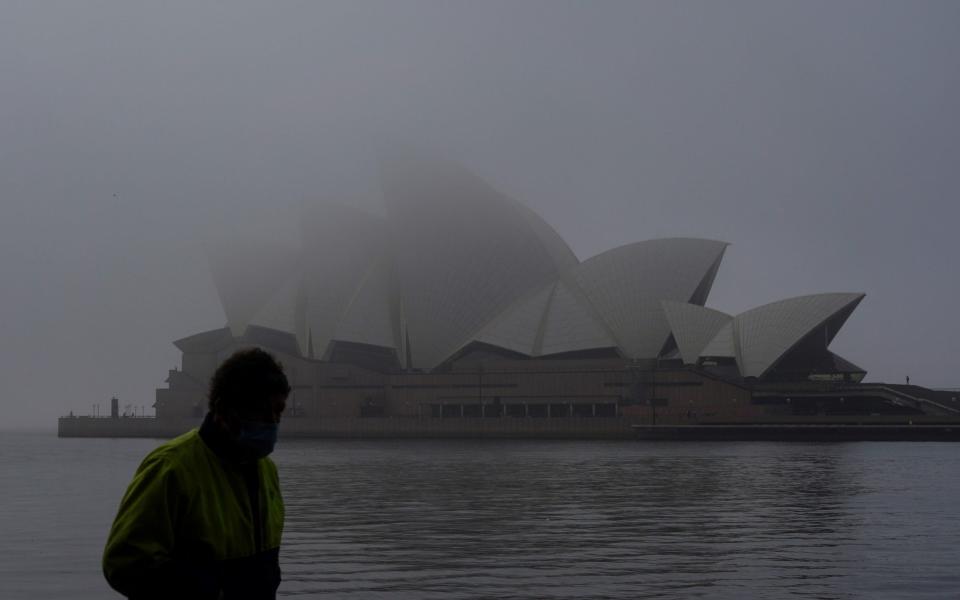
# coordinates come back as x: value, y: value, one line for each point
x: 820, y: 139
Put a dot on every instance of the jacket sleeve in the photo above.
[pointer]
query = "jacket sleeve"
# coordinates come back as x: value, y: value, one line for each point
x: 139, y: 560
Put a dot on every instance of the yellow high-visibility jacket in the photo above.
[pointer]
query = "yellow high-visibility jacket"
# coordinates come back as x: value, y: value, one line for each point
x: 187, y: 528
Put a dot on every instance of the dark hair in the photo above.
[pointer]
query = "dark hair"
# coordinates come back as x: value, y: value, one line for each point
x: 248, y: 379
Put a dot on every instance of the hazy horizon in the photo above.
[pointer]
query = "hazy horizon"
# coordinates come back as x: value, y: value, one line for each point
x: 820, y: 139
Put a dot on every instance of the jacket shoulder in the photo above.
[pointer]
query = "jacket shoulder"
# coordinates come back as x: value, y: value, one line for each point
x: 269, y: 464
x: 175, y: 451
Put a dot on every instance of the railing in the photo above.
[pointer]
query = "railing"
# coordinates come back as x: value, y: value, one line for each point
x: 916, y: 399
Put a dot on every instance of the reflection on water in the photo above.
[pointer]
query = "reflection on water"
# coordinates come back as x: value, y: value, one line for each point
x: 614, y: 520
x: 472, y: 519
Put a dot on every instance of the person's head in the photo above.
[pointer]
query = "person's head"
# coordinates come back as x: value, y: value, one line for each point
x: 248, y: 394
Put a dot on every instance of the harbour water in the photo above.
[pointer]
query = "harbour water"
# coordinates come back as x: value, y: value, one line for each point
x: 546, y: 519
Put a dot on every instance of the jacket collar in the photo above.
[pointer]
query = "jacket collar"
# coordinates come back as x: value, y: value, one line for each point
x: 219, y: 441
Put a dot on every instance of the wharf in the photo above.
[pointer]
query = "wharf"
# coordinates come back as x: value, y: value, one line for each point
x: 367, y: 428
x: 570, y: 428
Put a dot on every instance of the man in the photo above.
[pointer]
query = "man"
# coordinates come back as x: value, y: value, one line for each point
x: 203, y: 515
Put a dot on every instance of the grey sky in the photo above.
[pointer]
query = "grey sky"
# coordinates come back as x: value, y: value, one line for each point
x: 821, y: 139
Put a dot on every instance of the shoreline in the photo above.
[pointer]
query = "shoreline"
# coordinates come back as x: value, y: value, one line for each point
x: 930, y: 429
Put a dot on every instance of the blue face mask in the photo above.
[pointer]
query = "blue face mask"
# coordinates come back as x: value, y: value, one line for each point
x: 256, y: 438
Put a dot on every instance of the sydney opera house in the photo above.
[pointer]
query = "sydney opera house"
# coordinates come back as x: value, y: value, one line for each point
x: 459, y: 311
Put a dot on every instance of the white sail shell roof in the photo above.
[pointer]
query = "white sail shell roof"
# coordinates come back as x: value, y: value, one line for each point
x: 247, y: 275
x: 571, y: 325
x: 519, y: 327
x: 286, y: 311
x: 722, y: 344
x: 693, y: 327
x: 626, y: 285
x: 553, y: 320
x: 765, y: 334
x: 464, y: 253
x: 336, y: 284
x: 370, y: 315
x: 341, y: 246
x: 456, y: 261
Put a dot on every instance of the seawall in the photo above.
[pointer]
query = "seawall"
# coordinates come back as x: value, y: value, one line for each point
x: 886, y: 428
x: 371, y: 427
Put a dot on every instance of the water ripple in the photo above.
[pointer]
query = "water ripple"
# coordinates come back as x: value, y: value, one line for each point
x: 546, y: 520
x: 593, y: 520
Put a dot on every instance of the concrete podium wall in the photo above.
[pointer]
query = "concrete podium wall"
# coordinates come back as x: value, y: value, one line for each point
x: 376, y: 427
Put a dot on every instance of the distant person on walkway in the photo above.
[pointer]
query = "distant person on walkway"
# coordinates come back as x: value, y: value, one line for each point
x: 203, y: 515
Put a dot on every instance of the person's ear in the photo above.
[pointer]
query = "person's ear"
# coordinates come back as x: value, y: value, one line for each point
x: 227, y: 421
